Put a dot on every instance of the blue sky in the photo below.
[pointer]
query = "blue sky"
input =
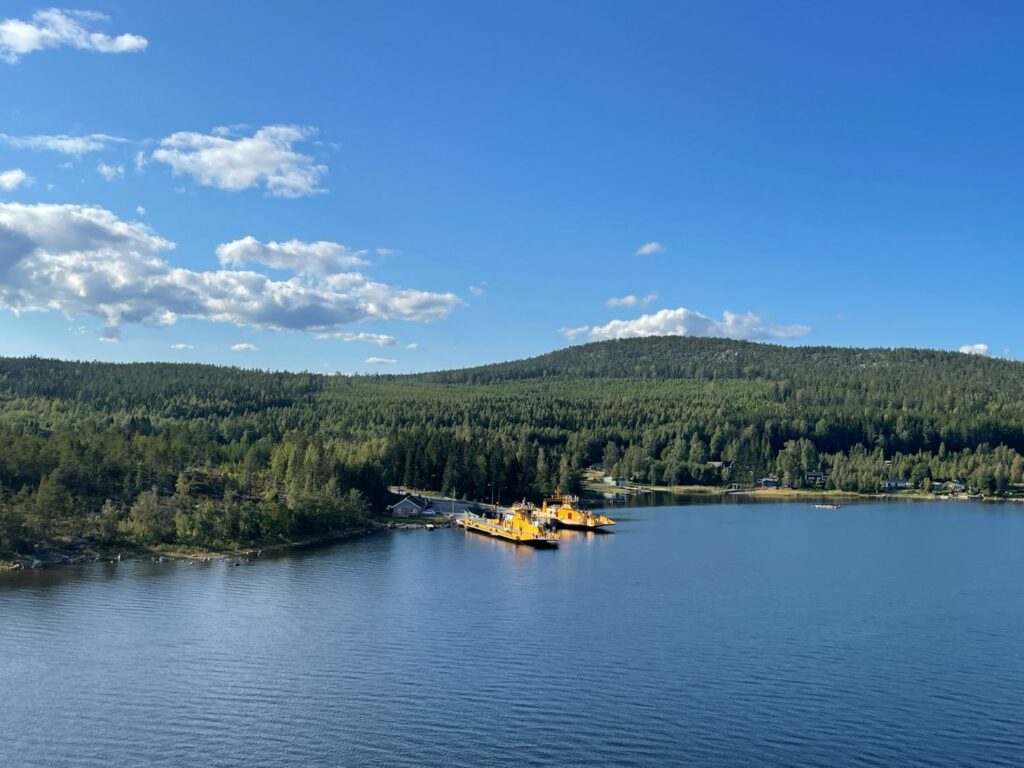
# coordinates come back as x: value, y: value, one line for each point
x: 412, y: 186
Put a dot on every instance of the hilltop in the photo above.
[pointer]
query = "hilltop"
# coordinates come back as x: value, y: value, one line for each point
x: 679, y: 357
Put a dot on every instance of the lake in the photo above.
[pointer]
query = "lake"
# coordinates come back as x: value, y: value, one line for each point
x: 711, y: 634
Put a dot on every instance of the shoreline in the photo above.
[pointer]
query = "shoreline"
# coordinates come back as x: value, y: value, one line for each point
x: 112, y: 554
x: 57, y: 556
x: 637, y: 489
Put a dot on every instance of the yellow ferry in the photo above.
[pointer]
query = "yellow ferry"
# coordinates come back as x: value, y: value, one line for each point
x: 564, y: 511
x: 516, y: 525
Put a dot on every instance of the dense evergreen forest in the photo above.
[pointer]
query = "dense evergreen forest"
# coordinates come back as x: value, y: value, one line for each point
x: 146, y: 454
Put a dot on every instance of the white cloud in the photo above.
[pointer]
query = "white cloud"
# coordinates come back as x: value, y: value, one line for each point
x: 381, y: 361
x: 244, y: 347
x: 83, y: 260
x: 14, y: 178
x: 685, y: 322
x: 650, y: 249
x: 412, y: 345
x: 182, y: 346
x: 62, y: 143
x: 321, y: 258
x: 266, y: 157
x: 633, y: 301
x: 380, y: 339
x: 975, y: 349
x: 477, y: 290
x: 110, y: 172
x: 54, y: 28
x: 140, y: 210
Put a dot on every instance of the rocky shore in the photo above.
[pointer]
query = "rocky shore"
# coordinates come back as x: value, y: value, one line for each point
x: 79, y: 552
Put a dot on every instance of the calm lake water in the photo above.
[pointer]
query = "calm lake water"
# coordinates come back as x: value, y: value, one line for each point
x: 705, y: 634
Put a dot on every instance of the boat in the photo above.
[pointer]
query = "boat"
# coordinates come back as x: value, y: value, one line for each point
x: 516, y: 525
x: 429, y: 526
x: 826, y: 506
x: 563, y: 511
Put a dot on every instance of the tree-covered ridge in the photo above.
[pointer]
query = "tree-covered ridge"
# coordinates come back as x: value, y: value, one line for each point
x: 210, y: 456
x: 677, y: 357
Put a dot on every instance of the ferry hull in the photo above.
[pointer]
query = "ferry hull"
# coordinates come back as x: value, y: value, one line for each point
x: 598, y: 528
x: 497, y: 532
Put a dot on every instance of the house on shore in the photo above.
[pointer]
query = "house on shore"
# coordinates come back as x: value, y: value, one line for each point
x: 768, y: 482
x: 815, y: 478
x: 410, y: 506
x: 617, y: 482
x: 895, y: 484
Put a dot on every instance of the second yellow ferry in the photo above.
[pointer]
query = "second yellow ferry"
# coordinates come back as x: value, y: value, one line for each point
x: 564, y: 511
x: 516, y: 525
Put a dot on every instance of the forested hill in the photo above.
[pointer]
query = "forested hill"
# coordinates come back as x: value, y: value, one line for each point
x: 677, y: 357
x: 670, y: 357
x: 154, y: 453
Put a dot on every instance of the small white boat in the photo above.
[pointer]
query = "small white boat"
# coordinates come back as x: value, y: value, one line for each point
x: 826, y: 506
x: 429, y: 526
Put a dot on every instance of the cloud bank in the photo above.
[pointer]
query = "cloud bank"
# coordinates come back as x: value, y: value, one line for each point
x: 83, y: 260
x: 267, y: 158
x: 686, y: 322
x: 322, y: 257
x: 55, y: 28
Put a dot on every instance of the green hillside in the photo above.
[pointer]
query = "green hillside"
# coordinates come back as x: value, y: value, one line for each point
x: 155, y: 453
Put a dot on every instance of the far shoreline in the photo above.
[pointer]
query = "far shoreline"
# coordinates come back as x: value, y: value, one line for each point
x: 638, y: 489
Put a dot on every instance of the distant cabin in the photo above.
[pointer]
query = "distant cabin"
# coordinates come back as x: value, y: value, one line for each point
x: 410, y: 506
x: 768, y: 482
x: 618, y: 482
x: 816, y: 478
x: 597, y: 466
x: 727, y: 464
x: 895, y: 484
x: 956, y: 486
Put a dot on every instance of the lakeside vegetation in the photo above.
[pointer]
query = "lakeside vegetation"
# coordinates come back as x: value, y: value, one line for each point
x: 155, y: 454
